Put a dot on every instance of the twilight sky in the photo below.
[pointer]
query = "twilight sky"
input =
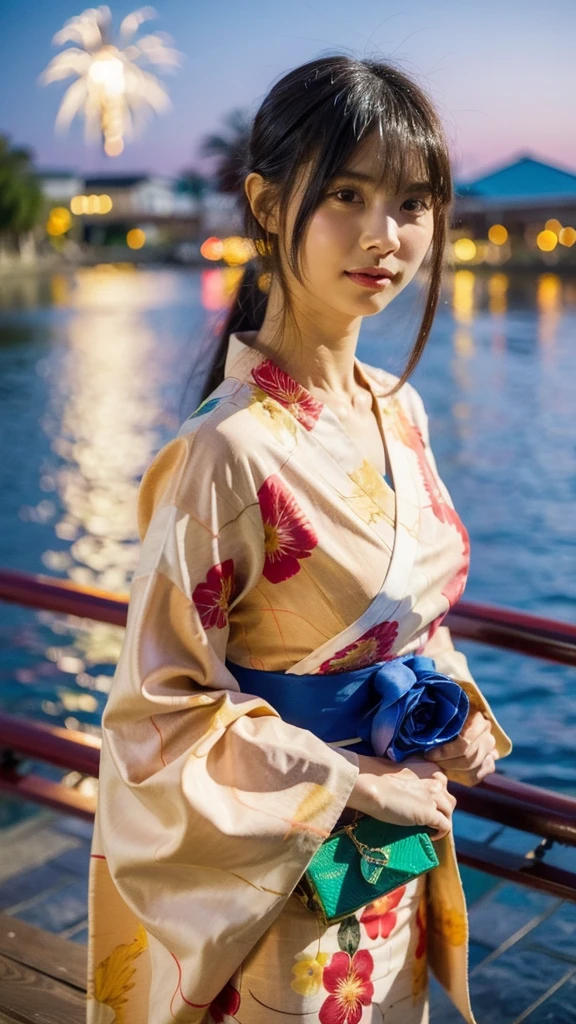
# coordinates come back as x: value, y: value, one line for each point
x: 502, y: 73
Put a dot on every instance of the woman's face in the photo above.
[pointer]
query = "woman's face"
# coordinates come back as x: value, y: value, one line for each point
x: 359, y: 226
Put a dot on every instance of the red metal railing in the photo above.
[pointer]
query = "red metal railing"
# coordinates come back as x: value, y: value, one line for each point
x: 483, y: 623
x: 531, y: 809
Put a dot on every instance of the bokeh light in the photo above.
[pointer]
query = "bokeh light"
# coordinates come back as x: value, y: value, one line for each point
x: 498, y: 234
x: 548, y: 293
x: 212, y: 248
x: 464, y: 249
x: 59, y: 221
x: 497, y: 292
x: 567, y: 236
x: 136, y: 238
x: 547, y: 240
x: 91, y: 204
x: 463, y: 296
x: 553, y: 225
x: 218, y: 285
x: 237, y: 250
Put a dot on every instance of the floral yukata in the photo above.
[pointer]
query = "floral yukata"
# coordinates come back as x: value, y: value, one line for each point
x: 270, y: 541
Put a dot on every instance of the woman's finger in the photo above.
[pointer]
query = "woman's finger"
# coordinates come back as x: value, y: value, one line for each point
x: 487, y: 768
x: 478, y: 727
x: 471, y: 761
x: 441, y: 823
x: 472, y: 754
x: 472, y: 777
x: 474, y: 726
x: 445, y: 803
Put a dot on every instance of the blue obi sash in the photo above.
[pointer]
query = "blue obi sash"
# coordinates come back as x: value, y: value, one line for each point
x: 395, y: 708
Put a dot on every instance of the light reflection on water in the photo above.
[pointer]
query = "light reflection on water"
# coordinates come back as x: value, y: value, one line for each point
x: 92, y: 368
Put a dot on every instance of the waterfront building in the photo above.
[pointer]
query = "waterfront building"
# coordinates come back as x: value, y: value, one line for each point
x: 526, y: 208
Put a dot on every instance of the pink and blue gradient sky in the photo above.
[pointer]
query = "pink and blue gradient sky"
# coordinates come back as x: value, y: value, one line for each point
x: 502, y: 74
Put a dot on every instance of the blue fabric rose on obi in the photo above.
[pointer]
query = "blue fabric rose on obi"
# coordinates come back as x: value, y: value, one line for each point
x: 417, y: 709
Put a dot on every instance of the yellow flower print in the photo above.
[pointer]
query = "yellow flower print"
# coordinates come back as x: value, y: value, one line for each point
x: 315, y: 803
x: 307, y: 973
x: 273, y: 415
x: 364, y: 653
x: 115, y: 977
x: 372, y: 499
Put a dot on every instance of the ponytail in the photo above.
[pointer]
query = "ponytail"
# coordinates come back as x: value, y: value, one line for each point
x: 246, y: 313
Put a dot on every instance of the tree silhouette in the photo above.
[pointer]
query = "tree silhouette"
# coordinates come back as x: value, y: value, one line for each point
x: 21, y: 198
x: 229, y: 149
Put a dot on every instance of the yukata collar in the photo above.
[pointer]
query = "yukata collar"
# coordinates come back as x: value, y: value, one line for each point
x: 242, y: 359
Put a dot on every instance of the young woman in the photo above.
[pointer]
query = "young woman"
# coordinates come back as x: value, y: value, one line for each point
x: 295, y: 528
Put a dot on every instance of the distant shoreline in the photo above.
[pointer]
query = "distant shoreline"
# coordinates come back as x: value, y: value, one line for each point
x: 58, y: 265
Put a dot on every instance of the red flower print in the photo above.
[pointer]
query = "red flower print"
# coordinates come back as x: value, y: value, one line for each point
x: 288, y: 392
x: 411, y: 435
x: 288, y: 534
x: 379, y: 917
x: 226, y: 1004
x: 455, y: 587
x: 369, y: 648
x: 347, y: 979
x: 213, y: 596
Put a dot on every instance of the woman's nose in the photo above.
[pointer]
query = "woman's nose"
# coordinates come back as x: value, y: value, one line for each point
x: 381, y: 233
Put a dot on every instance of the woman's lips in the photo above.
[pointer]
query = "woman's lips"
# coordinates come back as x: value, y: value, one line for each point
x: 370, y: 280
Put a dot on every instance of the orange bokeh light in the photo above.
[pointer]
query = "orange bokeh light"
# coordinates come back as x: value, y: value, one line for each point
x: 212, y: 248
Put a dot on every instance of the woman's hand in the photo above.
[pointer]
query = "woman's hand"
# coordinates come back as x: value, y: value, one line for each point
x: 471, y: 756
x: 411, y: 793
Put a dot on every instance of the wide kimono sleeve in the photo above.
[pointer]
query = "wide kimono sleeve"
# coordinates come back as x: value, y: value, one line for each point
x: 210, y: 805
x: 440, y: 646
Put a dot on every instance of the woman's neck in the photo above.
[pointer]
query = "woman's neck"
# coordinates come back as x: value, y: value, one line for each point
x: 318, y: 350
x: 321, y: 358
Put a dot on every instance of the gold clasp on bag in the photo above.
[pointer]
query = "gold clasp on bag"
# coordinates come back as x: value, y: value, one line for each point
x: 379, y: 861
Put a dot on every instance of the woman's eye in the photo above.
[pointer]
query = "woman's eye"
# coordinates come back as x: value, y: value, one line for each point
x: 345, y: 192
x: 421, y: 208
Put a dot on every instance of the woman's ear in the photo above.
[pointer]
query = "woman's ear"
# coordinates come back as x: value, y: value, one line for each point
x: 258, y: 195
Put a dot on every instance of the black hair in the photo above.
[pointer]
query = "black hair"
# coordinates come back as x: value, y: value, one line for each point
x: 317, y: 115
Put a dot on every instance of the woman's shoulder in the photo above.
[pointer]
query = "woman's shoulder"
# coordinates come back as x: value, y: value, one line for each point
x: 216, y: 409
x: 209, y: 455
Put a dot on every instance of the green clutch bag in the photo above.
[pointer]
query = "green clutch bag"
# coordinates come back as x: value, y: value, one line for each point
x: 361, y: 862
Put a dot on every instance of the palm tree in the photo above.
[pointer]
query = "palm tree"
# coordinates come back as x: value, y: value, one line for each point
x: 21, y: 198
x: 230, y: 149
x: 113, y: 93
x: 193, y: 183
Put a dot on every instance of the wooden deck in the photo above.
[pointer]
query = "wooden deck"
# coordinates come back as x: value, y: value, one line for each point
x: 42, y: 977
x: 522, y: 949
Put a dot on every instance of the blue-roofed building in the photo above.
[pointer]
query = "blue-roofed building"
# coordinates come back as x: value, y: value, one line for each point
x: 526, y: 197
x: 524, y: 184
